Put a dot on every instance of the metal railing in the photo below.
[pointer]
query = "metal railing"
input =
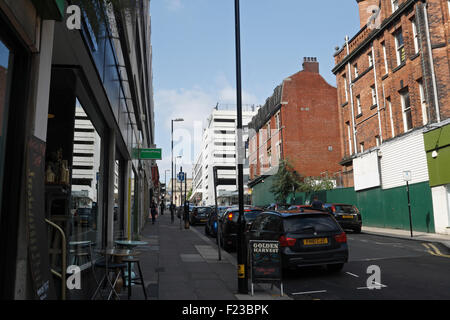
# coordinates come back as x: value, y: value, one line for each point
x: 61, y: 275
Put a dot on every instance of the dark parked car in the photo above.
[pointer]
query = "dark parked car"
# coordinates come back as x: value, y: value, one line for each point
x: 277, y: 207
x: 211, y: 225
x: 299, y: 207
x: 306, y: 239
x: 199, y: 215
x: 347, y: 215
x: 229, y: 225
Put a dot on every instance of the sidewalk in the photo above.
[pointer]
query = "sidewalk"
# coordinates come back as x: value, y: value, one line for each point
x: 406, y: 234
x: 183, y: 265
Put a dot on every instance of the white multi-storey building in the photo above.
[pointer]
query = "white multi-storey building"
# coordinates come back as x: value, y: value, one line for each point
x: 219, y: 150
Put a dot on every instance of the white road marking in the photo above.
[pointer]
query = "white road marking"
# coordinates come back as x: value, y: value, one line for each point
x: 376, y: 283
x: 309, y: 292
x: 352, y: 274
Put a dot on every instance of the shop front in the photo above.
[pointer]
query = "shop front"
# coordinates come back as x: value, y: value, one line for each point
x: 70, y: 120
x: 437, y: 146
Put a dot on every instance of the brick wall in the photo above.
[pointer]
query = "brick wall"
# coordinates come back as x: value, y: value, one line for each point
x: 308, y: 130
x: 386, y: 119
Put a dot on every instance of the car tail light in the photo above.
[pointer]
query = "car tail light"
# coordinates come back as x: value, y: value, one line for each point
x: 287, y: 242
x: 333, y: 208
x: 230, y: 216
x: 341, y: 238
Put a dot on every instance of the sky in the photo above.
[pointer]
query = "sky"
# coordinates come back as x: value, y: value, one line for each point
x: 193, y: 43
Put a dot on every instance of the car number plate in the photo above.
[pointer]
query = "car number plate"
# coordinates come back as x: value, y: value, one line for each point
x: 316, y: 241
x: 347, y: 217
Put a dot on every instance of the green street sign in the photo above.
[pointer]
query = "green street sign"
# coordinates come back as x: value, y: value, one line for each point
x: 150, y: 154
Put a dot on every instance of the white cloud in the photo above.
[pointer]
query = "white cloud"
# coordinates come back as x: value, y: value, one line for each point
x: 194, y: 106
x: 174, y: 5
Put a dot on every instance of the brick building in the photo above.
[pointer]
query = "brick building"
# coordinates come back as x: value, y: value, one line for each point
x: 392, y: 81
x: 298, y: 123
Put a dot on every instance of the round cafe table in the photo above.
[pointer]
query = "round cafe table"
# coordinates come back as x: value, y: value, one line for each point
x: 130, y: 244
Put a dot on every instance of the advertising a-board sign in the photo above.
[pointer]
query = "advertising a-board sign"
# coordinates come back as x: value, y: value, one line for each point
x: 265, y: 261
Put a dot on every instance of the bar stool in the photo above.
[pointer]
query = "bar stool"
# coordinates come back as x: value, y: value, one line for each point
x: 138, y: 279
x: 109, y: 267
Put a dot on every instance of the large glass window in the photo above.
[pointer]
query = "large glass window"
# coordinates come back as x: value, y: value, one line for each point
x: 86, y: 223
x: 5, y: 63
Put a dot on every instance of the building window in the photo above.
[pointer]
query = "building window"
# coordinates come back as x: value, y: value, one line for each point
x: 279, y: 150
x: 277, y: 120
x: 268, y: 131
x: 386, y: 69
x: 358, y: 105
x: 400, y: 47
x: 370, y: 57
x: 374, y: 95
x: 344, y: 77
x: 355, y: 66
x: 415, y: 36
x: 349, y: 135
x: 423, y: 104
x: 361, y: 147
x: 406, y: 109
x: 389, y: 103
x: 269, y: 157
x: 394, y: 5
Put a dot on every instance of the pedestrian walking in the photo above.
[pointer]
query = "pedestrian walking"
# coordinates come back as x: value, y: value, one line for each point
x: 153, y: 211
x: 172, y: 212
x: 162, y: 207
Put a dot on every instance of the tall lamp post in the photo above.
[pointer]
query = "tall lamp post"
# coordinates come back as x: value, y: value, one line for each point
x: 173, y: 120
x: 178, y: 157
x: 241, y: 245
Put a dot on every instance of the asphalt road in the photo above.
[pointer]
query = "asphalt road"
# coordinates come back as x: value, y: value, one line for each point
x: 408, y: 270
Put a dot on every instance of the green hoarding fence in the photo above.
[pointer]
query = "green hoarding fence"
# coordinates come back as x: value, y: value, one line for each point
x: 386, y: 208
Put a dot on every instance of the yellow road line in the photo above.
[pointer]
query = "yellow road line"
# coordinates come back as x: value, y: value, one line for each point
x: 433, y: 250
x: 438, y: 251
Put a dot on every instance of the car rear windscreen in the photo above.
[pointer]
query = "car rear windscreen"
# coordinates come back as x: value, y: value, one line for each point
x: 344, y: 209
x: 203, y: 210
x: 310, y: 224
x: 251, y: 215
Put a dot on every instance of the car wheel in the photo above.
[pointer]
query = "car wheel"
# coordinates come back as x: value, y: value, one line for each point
x: 357, y: 230
x: 335, y: 267
x: 206, y: 230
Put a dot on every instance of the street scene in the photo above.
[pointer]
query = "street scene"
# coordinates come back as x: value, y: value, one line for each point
x: 231, y: 156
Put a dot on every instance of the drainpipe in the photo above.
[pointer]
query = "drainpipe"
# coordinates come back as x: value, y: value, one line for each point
x: 430, y: 53
x: 350, y: 85
x: 376, y: 92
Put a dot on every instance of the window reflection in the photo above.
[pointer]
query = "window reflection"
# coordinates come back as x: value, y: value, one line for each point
x: 86, y: 219
x: 4, y: 66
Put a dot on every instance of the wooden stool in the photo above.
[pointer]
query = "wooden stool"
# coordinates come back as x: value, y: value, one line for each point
x: 138, y: 280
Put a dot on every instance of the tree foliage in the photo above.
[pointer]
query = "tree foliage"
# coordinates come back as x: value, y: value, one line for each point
x: 313, y: 184
x: 286, y: 182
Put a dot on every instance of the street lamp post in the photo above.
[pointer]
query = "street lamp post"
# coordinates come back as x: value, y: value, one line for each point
x: 173, y: 120
x: 241, y: 245
x: 178, y: 157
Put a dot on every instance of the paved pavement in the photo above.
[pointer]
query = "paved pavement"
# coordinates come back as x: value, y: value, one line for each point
x: 182, y: 264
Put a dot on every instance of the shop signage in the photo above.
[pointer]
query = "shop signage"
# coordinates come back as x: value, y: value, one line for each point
x: 36, y: 227
x: 150, y: 154
x: 265, y: 261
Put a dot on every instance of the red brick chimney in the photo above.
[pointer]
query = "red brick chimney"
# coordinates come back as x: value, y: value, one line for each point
x: 364, y: 11
x: 310, y: 64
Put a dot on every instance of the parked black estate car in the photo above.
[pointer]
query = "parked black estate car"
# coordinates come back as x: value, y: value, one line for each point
x: 347, y: 215
x: 309, y: 238
x: 199, y: 215
x: 211, y: 225
x: 229, y: 226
